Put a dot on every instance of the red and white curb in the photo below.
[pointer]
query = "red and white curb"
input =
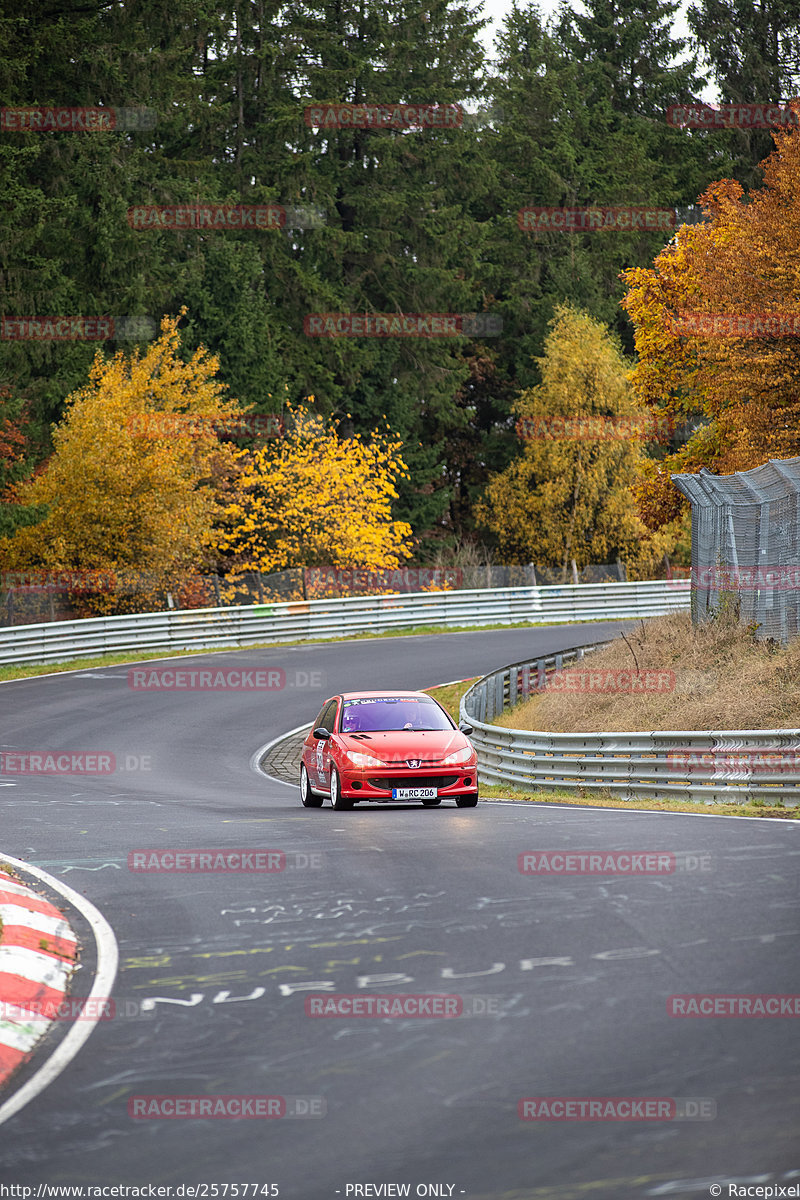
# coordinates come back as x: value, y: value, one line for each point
x: 37, y: 958
x: 38, y: 950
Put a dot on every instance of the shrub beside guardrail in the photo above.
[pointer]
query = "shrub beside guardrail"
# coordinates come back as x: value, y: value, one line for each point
x: 732, y: 766
x: 213, y: 628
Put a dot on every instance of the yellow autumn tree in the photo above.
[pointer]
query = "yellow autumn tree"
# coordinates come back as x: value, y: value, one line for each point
x: 567, y: 495
x: 316, y: 498
x: 717, y: 328
x: 136, y: 481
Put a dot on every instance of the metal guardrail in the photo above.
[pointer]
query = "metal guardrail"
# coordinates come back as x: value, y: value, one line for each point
x: 212, y: 628
x: 733, y: 766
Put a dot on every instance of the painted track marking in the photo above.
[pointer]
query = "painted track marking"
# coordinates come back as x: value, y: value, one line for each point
x: 105, y: 974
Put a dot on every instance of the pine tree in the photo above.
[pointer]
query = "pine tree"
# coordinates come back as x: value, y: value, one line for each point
x: 584, y: 103
x: 754, y: 54
x: 398, y: 236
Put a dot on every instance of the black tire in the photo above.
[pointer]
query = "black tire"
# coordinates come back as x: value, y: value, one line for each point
x: 468, y: 801
x: 338, y: 801
x: 310, y: 799
x: 432, y: 803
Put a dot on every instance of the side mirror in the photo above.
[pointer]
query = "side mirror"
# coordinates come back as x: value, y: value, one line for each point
x: 322, y: 734
x: 465, y: 728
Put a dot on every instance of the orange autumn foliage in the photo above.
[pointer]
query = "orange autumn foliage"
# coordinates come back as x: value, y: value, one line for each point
x: 744, y: 263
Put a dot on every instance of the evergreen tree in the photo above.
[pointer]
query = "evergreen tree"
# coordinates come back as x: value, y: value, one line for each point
x: 399, y: 236
x: 754, y: 54
x: 414, y: 220
x: 584, y: 124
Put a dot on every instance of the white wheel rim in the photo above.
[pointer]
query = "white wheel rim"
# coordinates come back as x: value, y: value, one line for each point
x: 334, y: 787
x: 304, y: 784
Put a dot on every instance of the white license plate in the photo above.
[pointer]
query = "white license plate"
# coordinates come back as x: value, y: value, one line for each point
x: 418, y: 793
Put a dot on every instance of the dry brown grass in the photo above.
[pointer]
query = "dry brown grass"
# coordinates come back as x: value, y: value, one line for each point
x: 724, y: 679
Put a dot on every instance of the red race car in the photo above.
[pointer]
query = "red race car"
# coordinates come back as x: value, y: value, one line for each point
x: 385, y: 746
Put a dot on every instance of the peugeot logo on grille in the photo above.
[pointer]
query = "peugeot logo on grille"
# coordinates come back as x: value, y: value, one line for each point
x: 413, y: 762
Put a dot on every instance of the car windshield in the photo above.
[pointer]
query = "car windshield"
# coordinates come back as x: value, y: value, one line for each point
x: 375, y: 714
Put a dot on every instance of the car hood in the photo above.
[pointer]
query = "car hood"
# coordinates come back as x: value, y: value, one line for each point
x: 398, y: 746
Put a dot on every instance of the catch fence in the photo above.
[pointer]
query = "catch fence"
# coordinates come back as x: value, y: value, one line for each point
x: 746, y: 546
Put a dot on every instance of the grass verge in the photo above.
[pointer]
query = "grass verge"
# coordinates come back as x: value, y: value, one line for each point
x: 645, y: 804
x: 669, y: 674
x: 449, y: 696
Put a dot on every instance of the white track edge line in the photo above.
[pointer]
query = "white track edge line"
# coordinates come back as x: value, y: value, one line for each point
x: 256, y: 757
x: 105, y: 974
x: 653, y: 812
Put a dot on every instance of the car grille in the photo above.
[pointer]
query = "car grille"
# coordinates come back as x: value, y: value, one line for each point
x: 396, y: 781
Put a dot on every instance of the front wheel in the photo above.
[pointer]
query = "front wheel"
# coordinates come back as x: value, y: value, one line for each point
x: 468, y: 801
x: 309, y: 798
x: 337, y: 799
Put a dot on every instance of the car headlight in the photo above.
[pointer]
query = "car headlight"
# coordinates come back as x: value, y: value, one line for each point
x: 459, y: 756
x: 363, y: 760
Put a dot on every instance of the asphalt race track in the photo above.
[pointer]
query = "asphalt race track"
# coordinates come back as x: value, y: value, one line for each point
x: 572, y: 973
